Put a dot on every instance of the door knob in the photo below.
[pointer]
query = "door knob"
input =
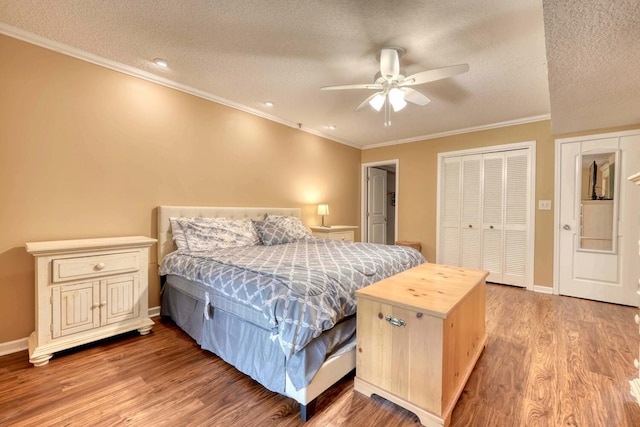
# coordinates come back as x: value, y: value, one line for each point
x: 566, y: 227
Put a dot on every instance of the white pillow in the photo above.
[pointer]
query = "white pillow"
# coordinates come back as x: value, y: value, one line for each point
x: 178, y: 234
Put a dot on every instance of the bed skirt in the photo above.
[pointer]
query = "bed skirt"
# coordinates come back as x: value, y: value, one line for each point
x: 252, y: 349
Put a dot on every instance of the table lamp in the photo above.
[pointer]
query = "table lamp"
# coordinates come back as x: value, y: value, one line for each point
x: 323, y: 210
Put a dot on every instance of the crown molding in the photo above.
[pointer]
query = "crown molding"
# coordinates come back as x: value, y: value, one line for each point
x: 49, y: 44
x: 462, y: 131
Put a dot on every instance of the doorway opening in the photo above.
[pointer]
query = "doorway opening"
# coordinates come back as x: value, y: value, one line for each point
x: 379, y: 202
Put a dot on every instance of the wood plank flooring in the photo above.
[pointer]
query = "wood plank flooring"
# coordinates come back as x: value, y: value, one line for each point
x: 550, y: 361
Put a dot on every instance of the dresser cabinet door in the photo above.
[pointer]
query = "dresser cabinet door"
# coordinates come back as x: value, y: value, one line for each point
x: 75, y: 308
x: 83, y: 306
x: 121, y: 295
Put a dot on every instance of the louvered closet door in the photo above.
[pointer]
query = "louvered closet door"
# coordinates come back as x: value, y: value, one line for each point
x: 470, y: 231
x: 449, y: 245
x: 492, y: 215
x: 516, y: 239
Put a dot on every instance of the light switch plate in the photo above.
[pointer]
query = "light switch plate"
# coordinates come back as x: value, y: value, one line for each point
x: 544, y: 205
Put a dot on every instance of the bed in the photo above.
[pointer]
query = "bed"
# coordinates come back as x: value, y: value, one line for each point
x: 256, y: 308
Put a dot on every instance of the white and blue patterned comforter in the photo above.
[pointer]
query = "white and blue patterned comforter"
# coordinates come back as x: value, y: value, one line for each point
x: 302, y: 288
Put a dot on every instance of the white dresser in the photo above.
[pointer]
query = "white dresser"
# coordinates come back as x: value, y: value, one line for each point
x: 86, y: 290
x: 335, y: 232
x: 635, y: 384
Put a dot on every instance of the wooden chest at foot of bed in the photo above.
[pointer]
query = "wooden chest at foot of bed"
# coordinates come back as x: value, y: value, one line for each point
x: 419, y: 335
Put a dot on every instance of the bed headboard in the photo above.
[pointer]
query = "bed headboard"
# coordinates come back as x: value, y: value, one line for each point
x: 165, y: 239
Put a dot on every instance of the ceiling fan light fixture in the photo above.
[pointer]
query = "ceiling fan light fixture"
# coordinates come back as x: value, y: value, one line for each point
x: 396, y: 99
x: 377, y: 102
x: 399, y: 105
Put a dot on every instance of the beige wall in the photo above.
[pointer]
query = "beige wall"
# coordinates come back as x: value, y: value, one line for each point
x: 89, y: 152
x: 417, y: 193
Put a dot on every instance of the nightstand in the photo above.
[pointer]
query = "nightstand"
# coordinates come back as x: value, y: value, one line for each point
x: 420, y: 334
x: 88, y: 290
x: 415, y: 245
x: 335, y: 232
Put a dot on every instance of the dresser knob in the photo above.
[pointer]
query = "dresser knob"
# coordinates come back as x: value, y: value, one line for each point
x: 637, y: 319
x: 636, y: 364
x: 99, y: 266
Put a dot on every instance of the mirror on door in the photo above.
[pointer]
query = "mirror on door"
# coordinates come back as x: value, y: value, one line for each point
x: 598, y: 201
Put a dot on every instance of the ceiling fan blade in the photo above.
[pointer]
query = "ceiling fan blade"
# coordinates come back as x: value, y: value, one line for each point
x: 415, y: 97
x: 366, y: 101
x: 389, y: 63
x: 433, y: 75
x: 356, y: 86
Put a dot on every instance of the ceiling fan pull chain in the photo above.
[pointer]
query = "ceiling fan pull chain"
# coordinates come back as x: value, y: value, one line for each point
x: 387, y: 115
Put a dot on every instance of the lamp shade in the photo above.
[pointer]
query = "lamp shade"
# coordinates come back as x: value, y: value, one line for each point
x: 323, y: 209
x: 396, y: 99
x: 377, y: 101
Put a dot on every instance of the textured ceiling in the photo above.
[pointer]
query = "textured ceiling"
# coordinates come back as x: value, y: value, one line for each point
x: 594, y: 63
x: 244, y: 52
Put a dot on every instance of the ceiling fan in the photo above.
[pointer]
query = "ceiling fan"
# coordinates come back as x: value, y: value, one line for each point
x: 393, y: 86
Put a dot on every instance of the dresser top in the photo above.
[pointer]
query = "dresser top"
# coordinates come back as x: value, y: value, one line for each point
x: 66, y: 246
x: 431, y: 288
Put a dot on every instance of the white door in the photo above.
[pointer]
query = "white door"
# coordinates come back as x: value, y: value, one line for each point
x: 470, y: 232
x: 377, y: 206
x: 485, y: 212
x: 449, y: 203
x: 517, y: 245
x: 492, y: 215
x: 599, y: 272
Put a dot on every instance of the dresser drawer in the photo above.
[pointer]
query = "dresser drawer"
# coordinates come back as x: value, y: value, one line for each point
x: 346, y: 236
x: 93, y: 266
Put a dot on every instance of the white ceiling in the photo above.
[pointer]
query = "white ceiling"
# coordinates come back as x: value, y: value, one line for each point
x: 244, y: 52
x: 594, y: 63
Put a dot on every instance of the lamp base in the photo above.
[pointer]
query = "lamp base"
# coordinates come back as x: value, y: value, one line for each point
x: 322, y: 225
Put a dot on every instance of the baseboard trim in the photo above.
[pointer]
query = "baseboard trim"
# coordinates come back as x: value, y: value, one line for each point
x: 23, y: 343
x: 14, y: 346
x: 154, y: 311
x: 543, y: 289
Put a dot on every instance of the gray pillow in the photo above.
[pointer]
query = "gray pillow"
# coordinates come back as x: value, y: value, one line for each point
x: 277, y: 230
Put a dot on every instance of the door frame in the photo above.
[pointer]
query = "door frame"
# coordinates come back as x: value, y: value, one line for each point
x: 556, y: 190
x: 364, y: 233
x: 531, y: 241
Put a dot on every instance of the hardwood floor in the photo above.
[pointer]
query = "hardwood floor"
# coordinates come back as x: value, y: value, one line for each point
x: 550, y: 361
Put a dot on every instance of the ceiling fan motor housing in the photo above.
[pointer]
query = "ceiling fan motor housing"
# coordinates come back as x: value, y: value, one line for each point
x: 390, y: 62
